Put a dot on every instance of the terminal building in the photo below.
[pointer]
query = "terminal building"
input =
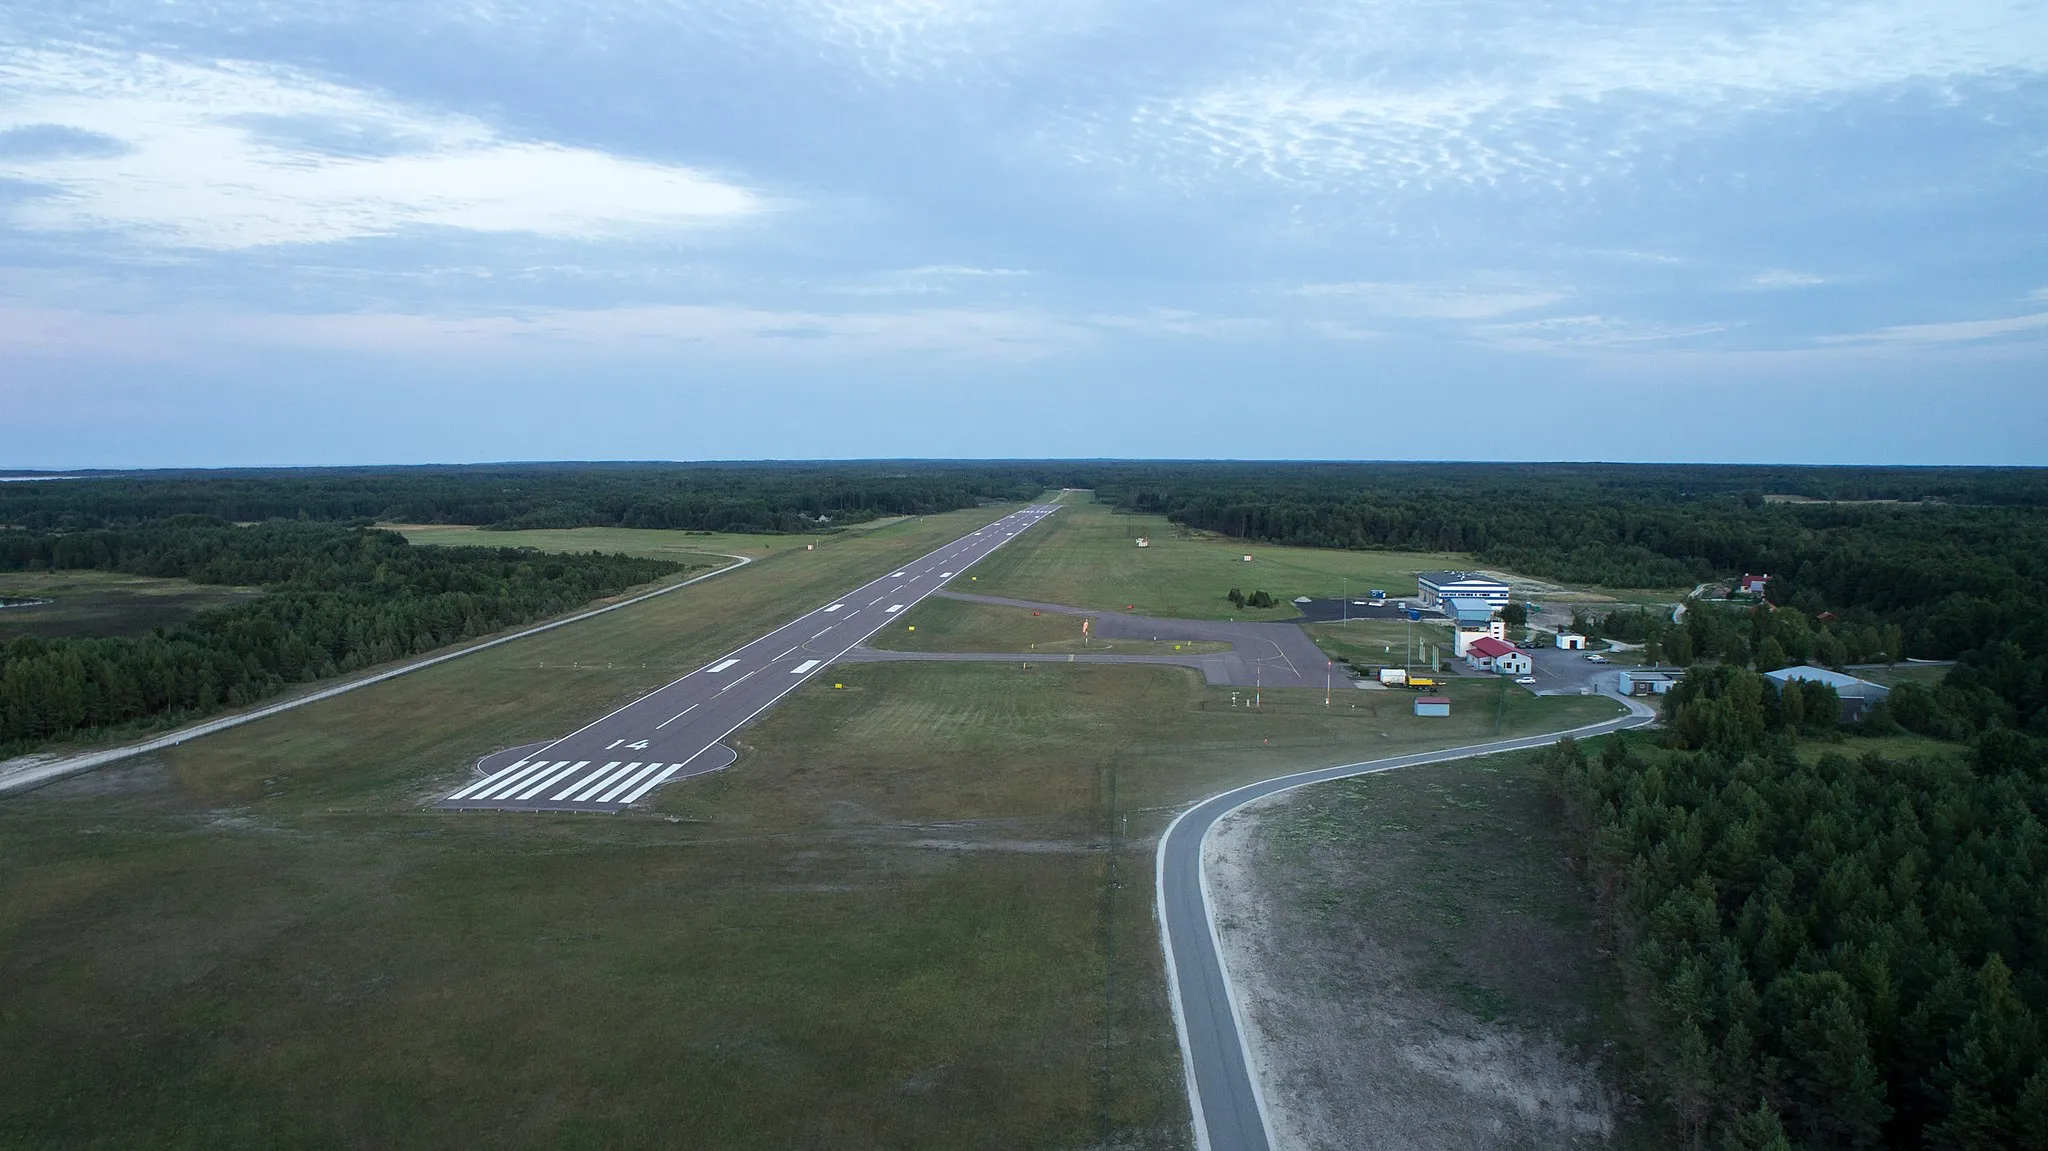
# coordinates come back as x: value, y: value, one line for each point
x: 1433, y: 588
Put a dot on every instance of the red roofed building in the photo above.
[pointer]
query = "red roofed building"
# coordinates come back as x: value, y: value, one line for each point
x: 1753, y: 584
x: 1497, y: 655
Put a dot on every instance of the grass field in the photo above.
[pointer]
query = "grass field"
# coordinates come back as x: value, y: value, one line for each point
x: 1085, y: 556
x: 1428, y: 961
x: 102, y: 604
x: 912, y: 915
x: 1377, y: 641
x: 940, y: 624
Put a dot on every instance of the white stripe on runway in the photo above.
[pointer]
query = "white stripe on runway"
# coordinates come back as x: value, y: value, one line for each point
x: 564, y: 793
x: 607, y: 780
x: 636, y: 777
x: 721, y: 665
x: 804, y: 666
x: 673, y: 718
x: 735, y: 683
x: 491, y: 778
x: 562, y: 771
x: 651, y: 784
x: 897, y: 608
x: 511, y: 781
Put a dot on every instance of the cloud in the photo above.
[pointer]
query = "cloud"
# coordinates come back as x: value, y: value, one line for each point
x: 1960, y: 331
x: 931, y: 279
x: 1366, y: 96
x: 660, y: 330
x: 1777, y: 278
x: 1435, y: 301
x: 1587, y: 333
x: 234, y: 155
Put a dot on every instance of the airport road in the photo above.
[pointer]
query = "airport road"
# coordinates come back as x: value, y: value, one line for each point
x: 1229, y: 1108
x: 673, y: 733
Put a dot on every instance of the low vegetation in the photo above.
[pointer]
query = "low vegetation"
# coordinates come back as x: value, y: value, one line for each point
x: 917, y: 913
x: 950, y: 625
x: 101, y: 605
x: 1418, y: 960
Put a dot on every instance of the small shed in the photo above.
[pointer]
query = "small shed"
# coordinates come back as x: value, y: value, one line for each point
x: 1570, y: 641
x: 1432, y: 705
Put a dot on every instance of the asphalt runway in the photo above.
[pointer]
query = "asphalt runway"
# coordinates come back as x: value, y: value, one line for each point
x: 673, y: 733
x: 1229, y: 1108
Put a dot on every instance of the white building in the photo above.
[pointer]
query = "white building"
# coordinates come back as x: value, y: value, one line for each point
x: 1514, y: 663
x: 1433, y: 587
x: 1570, y: 641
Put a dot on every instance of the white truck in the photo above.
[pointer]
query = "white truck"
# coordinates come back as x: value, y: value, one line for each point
x: 1394, y: 676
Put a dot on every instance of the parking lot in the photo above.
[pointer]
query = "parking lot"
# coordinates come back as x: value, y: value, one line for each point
x: 1570, y: 673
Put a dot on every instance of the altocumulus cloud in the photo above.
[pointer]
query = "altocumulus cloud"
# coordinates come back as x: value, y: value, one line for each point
x: 235, y: 155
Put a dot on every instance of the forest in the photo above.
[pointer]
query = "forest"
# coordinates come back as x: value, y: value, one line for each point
x: 694, y: 497
x: 1823, y: 951
x: 338, y: 598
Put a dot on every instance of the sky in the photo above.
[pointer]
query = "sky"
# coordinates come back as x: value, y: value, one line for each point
x: 277, y: 232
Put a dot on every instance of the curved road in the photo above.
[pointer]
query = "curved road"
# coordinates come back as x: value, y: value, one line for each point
x: 1229, y: 1110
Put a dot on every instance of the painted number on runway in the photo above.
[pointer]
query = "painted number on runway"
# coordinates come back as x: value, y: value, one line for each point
x: 639, y: 746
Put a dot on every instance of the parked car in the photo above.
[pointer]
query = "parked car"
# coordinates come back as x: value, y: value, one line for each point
x: 1525, y: 680
x: 1596, y: 659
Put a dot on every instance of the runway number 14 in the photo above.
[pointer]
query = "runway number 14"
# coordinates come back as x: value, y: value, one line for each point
x: 640, y: 746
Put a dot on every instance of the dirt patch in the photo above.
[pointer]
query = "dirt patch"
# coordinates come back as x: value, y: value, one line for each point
x: 1415, y: 966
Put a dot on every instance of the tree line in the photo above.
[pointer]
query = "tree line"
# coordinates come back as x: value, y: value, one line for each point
x: 338, y: 599
x: 696, y: 497
x: 1823, y: 951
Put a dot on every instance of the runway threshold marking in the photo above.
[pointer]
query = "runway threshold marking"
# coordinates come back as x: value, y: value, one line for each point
x: 636, y: 777
x: 562, y: 771
x: 804, y: 666
x: 604, y: 780
x: 672, y: 719
x: 496, y: 775
x: 651, y: 784
x: 510, y: 781
x: 721, y: 665
x: 569, y: 790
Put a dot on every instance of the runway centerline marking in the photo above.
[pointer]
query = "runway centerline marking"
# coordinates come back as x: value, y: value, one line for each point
x: 735, y: 683
x: 816, y: 636
x: 788, y: 653
x: 666, y: 722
